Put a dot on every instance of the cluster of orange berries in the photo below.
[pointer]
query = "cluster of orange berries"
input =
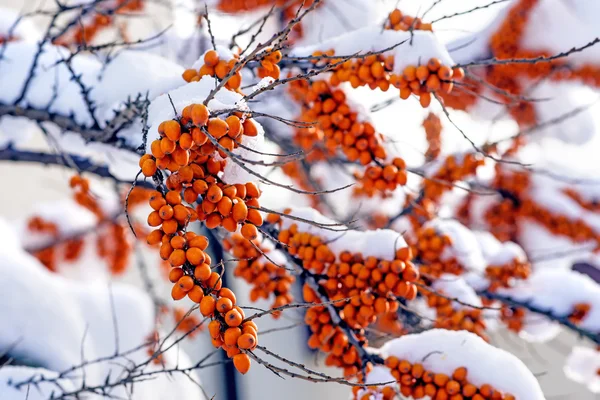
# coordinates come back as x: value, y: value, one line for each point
x: 185, y: 150
x: 268, y: 64
x: 332, y: 340
x: 580, y: 311
x: 503, y: 217
x: 513, y: 317
x: 505, y: 43
x: 370, y: 286
x: 376, y: 72
x: 216, y: 67
x: 447, y: 317
x: 502, y: 276
x: 590, y: 205
x: 46, y: 256
x: 381, y: 178
x: 417, y: 382
x: 289, y: 12
x: 84, y: 33
x: 338, y: 125
x: 433, y: 131
x: 452, y: 170
x: 112, y: 241
x: 264, y: 276
x: 229, y: 329
x: 398, y: 21
x: 429, y: 244
x: 188, y: 324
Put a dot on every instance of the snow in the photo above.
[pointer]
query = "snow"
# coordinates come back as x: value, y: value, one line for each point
x: 496, y: 252
x: 555, y: 26
x: 582, y: 366
x: 558, y: 290
x: 464, y: 245
x: 424, y: 46
x: 443, y: 351
x: 56, y: 323
x: 24, y: 30
x: 379, y: 243
x: 457, y: 288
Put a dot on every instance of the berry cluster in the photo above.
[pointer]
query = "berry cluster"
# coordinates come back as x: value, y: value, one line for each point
x: 218, y: 67
x: 429, y: 246
x: 332, y: 340
x: 455, y: 319
x: 503, y: 217
x: 376, y: 71
x: 417, y: 382
x: 451, y: 170
x: 186, y: 148
x: 381, y: 178
x: 503, y: 276
x: 112, y: 240
x: 371, y: 285
x: 433, y: 132
x: 339, y: 126
x: 84, y: 32
x: 229, y: 329
x: 398, y: 21
x: 264, y: 276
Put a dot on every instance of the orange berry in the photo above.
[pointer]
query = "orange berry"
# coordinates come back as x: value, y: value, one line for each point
x: 207, y: 305
x: 196, y: 294
x: 214, y: 329
x: 217, y: 127
x: 250, y: 128
x: 154, y: 237
x: 172, y: 130
x: 225, y: 292
x: 175, y: 274
x: 214, y: 282
x: 177, y: 258
x: 177, y: 293
x: 231, y: 336
x: 214, y: 194
x: 224, y: 305
x: 233, y: 318
x: 249, y: 231
x: 246, y: 341
x: 195, y: 256
x: 241, y: 363
x: 211, y: 58
x: 202, y: 272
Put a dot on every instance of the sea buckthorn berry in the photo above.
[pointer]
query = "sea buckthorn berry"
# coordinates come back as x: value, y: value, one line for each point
x: 224, y: 305
x: 214, y: 282
x: 172, y: 130
x: 217, y: 127
x: 154, y: 237
x: 233, y: 318
x: 241, y: 363
x: 214, y: 329
x: 231, y: 336
x: 175, y: 274
x: 247, y: 341
x: 211, y: 58
x: 202, y: 272
x: 196, y: 294
x: 249, y: 231
x: 207, y: 306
